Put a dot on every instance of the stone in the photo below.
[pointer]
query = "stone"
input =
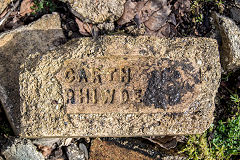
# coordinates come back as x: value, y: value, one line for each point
x: 120, y: 86
x: 50, y: 142
x: 83, y: 148
x: 15, y: 45
x: 122, y: 148
x: 57, y: 154
x: 74, y: 153
x: 230, y: 42
x: 98, y: 11
x: 21, y: 149
x: 4, y: 4
x: 237, y: 2
x: 235, y: 13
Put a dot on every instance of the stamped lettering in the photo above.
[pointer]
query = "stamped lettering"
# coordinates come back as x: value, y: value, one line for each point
x: 128, y: 84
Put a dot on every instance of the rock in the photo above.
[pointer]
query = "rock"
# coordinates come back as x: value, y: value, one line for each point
x: 98, y: 11
x: 230, y: 45
x: 46, y: 141
x: 120, y: 86
x: 235, y: 12
x: 122, y: 148
x: 4, y: 4
x: 74, y: 153
x: 39, y: 36
x: 237, y: 2
x: 83, y: 148
x: 57, y: 154
x: 45, y: 150
x: 21, y: 149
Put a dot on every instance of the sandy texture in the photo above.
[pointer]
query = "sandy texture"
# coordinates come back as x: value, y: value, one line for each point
x: 15, y: 46
x: 230, y: 47
x: 98, y: 11
x: 43, y: 110
x: 3, y: 4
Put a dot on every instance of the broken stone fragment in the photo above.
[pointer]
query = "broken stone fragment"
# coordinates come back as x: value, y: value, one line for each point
x: 4, y: 4
x: 230, y: 42
x: 15, y: 45
x: 75, y: 153
x: 237, y: 2
x: 120, y: 86
x: 98, y: 11
x: 20, y: 149
x: 235, y: 13
x: 50, y: 142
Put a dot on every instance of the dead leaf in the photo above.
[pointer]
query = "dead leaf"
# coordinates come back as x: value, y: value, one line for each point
x: 84, y: 28
x: 149, y: 8
x: 25, y: 7
x: 45, y: 150
x: 166, y: 142
x: 172, y: 19
x: 3, y: 13
x: 182, y: 6
x: 128, y: 13
x: 154, y: 14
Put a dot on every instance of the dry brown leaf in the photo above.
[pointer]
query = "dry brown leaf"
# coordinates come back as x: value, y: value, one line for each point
x: 165, y: 30
x: 129, y: 12
x: 156, y: 15
x: 158, y: 19
x: 88, y: 27
x: 3, y: 13
x: 25, y: 7
x: 84, y: 28
x: 182, y: 6
x: 45, y: 150
x: 166, y: 142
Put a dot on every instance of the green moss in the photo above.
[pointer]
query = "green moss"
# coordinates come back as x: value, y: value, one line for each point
x: 43, y: 6
x: 197, y: 148
x: 5, y: 129
x: 226, y: 142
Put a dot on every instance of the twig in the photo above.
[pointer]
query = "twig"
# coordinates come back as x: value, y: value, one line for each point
x: 2, y: 20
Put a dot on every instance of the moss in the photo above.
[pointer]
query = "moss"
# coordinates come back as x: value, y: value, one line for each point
x: 5, y: 129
